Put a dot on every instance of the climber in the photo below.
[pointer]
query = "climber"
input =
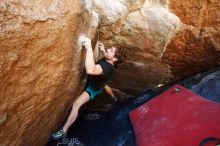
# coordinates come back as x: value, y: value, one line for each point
x: 98, y: 75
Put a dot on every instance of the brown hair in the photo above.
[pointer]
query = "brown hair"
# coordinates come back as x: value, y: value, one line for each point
x: 119, y: 54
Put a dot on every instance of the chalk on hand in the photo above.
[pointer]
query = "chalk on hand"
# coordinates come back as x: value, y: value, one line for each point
x: 81, y: 40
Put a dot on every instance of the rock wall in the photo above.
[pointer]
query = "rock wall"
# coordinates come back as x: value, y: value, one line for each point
x: 196, y: 47
x: 161, y: 40
x: 42, y: 64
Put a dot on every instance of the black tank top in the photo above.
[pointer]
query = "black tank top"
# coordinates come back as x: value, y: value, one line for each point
x: 97, y: 82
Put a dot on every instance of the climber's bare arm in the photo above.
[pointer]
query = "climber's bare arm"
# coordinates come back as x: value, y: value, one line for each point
x: 91, y: 67
x: 97, y: 52
x: 109, y: 91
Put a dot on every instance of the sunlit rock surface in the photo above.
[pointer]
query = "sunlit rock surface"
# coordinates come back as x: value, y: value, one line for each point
x: 41, y: 66
x: 42, y: 63
x: 161, y: 41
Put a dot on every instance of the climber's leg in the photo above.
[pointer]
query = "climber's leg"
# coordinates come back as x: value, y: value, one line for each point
x: 83, y: 98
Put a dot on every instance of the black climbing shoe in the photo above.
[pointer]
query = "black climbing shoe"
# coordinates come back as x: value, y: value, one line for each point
x: 58, y: 134
x: 114, y: 98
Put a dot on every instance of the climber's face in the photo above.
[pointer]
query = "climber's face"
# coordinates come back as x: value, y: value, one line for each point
x: 110, y: 53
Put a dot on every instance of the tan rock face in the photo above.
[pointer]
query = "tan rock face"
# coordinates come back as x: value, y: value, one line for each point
x: 41, y: 66
x: 196, y: 46
x: 143, y: 31
x: 41, y: 60
x: 163, y: 40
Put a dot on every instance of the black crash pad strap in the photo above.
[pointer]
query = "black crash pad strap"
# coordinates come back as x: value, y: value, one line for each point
x: 209, y: 139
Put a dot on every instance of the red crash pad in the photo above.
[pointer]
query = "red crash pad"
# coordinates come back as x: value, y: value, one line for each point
x: 176, y: 118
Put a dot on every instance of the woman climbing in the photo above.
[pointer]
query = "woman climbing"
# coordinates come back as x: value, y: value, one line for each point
x: 98, y: 75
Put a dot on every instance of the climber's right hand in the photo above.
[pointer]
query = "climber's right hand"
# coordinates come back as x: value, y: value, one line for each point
x: 101, y: 47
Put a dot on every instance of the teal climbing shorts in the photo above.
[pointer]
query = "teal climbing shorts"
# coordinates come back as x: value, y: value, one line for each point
x: 92, y: 93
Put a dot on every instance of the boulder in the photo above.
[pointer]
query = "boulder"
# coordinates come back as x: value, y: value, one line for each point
x: 42, y: 60
x: 41, y: 65
x: 161, y: 41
